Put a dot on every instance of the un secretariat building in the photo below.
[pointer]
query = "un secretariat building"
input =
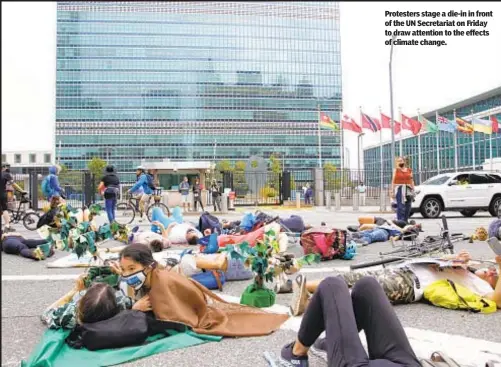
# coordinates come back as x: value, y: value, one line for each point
x: 196, y: 81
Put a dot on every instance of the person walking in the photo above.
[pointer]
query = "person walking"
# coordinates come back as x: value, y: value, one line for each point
x: 197, y: 195
x: 402, y: 189
x: 50, y: 184
x: 110, y: 187
x: 308, y: 194
x: 216, y: 195
x: 184, y: 189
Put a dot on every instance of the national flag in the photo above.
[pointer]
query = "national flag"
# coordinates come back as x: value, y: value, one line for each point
x: 327, y: 122
x: 386, y: 124
x: 495, y: 124
x: 445, y: 124
x: 347, y: 123
x: 464, y: 126
x: 482, y: 126
x: 410, y: 124
x: 427, y: 125
x: 370, y: 123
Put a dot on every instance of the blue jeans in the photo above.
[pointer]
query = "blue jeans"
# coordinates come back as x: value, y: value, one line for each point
x: 110, y: 205
x: 403, y: 209
x: 375, y: 235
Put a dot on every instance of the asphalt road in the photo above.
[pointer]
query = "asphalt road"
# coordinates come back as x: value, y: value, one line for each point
x: 23, y: 300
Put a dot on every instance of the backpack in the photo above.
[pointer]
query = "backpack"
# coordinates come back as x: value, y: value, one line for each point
x: 329, y: 243
x: 46, y: 189
x: 447, y: 294
x: 149, y: 181
x: 209, y: 221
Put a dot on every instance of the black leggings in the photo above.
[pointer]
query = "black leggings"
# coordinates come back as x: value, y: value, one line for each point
x: 21, y: 246
x: 343, y: 316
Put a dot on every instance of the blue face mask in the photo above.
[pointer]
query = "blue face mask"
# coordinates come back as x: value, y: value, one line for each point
x: 135, y: 280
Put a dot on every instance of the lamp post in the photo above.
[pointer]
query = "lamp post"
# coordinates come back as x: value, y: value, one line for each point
x: 347, y: 157
x: 358, y: 153
x: 392, y: 125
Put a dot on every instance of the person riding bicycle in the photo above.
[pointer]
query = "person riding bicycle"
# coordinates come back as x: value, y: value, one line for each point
x: 50, y: 184
x: 7, y: 179
x: 141, y: 185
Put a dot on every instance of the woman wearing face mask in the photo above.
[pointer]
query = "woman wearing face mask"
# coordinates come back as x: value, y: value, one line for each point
x: 176, y: 298
x: 402, y: 189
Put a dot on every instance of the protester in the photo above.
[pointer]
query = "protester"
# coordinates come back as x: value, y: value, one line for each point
x: 180, y: 233
x: 109, y: 187
x: 13, y: 243
x: 184, y: 189
x: 308, y: 193
x: 361, y: 193
x: 176, y: 298
x: 402, y: 189
x: 389, y: 230
x: 342, y: 316
x: 50, y: 184
x: 6, y: 179
x: 197, y: 195
x: 216, y: 195
x: 142, y: 190
x: 405, y: 283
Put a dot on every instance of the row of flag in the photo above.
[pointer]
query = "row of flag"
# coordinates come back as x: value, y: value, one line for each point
x: 415, y: 126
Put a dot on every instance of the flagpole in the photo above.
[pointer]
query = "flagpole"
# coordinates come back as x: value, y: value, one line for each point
x: 438, y: 143
x: 490, y: 146
x: 419, y: 146
x: 400, y: 146
x: 342, y: 149
x: 319, y: 140
x: 455, y: 144
x: 381, y: 173
x: 473, y: 141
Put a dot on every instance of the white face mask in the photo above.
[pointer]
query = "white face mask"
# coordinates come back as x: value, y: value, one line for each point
x: 135, y: 280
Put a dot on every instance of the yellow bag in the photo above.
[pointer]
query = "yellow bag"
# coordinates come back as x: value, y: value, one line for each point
x: 445, y: 293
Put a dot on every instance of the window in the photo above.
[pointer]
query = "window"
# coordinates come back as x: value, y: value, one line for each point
x: 437, y: 180
x: 33, y: 158
x: 46, y: 158
x: 477, y: 179
x: 17, y: 158
x: 4, y: 158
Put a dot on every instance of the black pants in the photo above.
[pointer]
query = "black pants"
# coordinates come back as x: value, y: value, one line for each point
x: 343, y: 316
x: 216, y: 200
x: 198, y: 200
x: 21, y: 246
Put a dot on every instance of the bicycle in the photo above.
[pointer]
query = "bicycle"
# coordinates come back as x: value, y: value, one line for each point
x: 29, y: 219
x: 129, y: 208
x: 443, y: 243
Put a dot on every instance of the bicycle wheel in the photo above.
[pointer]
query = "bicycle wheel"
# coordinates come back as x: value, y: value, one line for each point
x: 124, y: 213
x: 165, y: 210
x: 30, y: 221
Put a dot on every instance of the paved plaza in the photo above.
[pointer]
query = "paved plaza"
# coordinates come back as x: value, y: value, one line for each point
x: 28, y: 287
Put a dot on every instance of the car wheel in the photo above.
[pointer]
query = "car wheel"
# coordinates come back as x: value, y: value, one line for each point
x: 468, y: 212
x: 495, y: 207
x: 431, y: 208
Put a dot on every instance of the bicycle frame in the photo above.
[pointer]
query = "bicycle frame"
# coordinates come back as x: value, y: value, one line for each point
x: 18, y: 215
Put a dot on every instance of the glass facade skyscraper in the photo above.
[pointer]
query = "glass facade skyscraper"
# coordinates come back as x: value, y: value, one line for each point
x: 472, y: 149
x: 196, y: 81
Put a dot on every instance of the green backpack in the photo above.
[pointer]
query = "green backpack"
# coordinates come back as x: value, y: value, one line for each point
x: 445, y: 293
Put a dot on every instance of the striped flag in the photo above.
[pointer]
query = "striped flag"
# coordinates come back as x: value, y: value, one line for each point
x: 427, y: 125
x: 445, y: 124
x: 370, y: 123
x: 464, y: 126
x: 327, y: 122
x: 482, y: 126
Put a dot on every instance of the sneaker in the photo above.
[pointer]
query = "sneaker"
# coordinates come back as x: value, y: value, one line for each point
x: 38, y: 254
x: 299, y: 296
x: 318, y: 349
x: 288, y: 359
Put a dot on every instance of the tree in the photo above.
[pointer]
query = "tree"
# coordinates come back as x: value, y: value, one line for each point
x: 241, y: 187
x: 224, y: 166
x: 275, y: 165
x: 240, y: 166
x: 96, y: 166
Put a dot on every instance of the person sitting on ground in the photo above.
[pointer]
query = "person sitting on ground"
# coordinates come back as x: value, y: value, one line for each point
x: 14, y: 243
x: 405, y: 283
x: 342, y: 316
x: 179, y: 299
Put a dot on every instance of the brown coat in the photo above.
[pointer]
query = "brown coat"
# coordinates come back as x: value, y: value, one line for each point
x: 179, y: 299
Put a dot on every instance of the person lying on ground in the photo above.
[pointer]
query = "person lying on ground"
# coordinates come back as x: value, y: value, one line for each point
x: 14, y: 243
x: 370, y: 233
x: 180, y: 233
x: 406, y: 282
x: 179, y: 299
x: 157, y: 242
x: 342, y: 316
x: 253, y: 237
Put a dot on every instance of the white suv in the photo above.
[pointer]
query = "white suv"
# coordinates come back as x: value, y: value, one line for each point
x: 466, y: 192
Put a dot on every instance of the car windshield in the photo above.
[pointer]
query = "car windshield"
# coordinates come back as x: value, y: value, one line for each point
x: 438, y: 180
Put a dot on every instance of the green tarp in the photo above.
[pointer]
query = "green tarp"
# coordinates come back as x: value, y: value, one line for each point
x: 52, y: 351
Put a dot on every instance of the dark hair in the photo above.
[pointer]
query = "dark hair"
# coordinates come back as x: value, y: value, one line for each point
x: 139, y: 253
x: 98, y: 304
x: 193, y: 240
x: 156, y: 246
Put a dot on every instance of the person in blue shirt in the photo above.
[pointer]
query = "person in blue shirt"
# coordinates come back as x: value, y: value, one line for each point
x: 52, y: 188
x: 142, y: 190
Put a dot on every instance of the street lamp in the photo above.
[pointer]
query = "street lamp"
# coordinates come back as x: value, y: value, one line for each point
x: 392, y: 125
x: 358, y: 152
x: 347, y: 157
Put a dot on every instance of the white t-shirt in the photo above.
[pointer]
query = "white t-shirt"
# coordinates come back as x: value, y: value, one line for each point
x: 467, y: 279
x: 177, y: 234
x: 147, y: 237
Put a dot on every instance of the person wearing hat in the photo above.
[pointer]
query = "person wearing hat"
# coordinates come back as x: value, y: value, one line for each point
x: 109, y: 188
x: 6, y: 179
